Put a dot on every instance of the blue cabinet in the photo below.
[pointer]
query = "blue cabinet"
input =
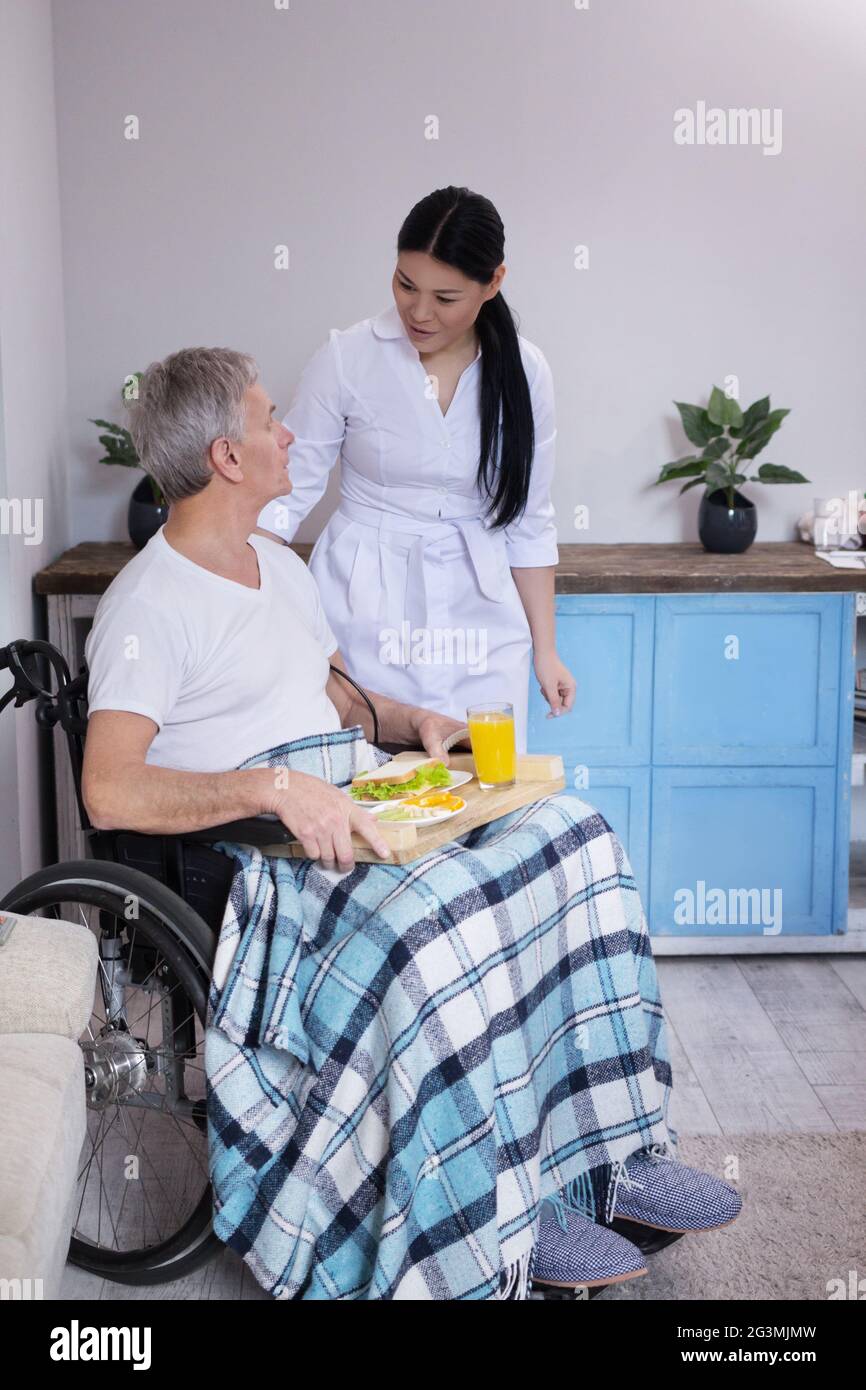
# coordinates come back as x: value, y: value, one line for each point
x: 609, y: 642
x: 747, y: 679
x: 713, y: 732
x: 742, y: 851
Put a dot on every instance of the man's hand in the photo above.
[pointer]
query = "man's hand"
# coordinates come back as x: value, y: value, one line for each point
x: 432, y: 729
x: 322, y: 818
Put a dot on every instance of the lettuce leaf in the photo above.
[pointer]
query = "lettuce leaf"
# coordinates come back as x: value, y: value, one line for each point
x: 435, y: 776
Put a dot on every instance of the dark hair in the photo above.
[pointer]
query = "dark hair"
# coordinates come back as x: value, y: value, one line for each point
x: 462, y: 229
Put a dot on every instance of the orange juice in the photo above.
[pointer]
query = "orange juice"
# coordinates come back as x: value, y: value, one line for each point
x: 491, y: 732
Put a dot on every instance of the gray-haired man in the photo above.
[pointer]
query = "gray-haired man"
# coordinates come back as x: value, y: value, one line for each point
x: 211, y: 645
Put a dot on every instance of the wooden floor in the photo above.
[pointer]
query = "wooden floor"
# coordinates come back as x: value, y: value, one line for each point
x: 759, y: 1045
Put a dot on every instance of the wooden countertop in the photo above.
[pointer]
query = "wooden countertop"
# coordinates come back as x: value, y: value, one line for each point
x: 685, y: 567
x: 669, y: 568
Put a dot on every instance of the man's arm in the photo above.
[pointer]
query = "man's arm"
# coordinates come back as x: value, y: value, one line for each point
x: 123, y: 792
x: 398, y: 723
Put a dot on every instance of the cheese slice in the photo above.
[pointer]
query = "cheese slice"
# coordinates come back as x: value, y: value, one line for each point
x: 386, y: 773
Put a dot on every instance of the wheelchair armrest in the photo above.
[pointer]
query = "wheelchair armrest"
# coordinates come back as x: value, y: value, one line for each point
x: 254, y: 830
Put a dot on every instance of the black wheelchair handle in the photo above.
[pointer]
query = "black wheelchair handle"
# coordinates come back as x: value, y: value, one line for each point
x: 21, y: 658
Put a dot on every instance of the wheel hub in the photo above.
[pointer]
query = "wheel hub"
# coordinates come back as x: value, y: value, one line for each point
x: 115, y: 1065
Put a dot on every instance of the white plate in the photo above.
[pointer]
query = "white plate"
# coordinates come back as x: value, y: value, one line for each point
x: 442, y: 813
x: 458, y: 779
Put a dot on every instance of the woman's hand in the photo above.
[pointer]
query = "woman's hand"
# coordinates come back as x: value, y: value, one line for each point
x: 555, y: 681
x: 322, y: 818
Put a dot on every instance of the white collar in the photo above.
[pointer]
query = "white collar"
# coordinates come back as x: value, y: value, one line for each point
x: 389, y: 324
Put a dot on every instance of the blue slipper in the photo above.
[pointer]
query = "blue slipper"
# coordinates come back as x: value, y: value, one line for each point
x: 573, y: 1251
x: 653, y: 1189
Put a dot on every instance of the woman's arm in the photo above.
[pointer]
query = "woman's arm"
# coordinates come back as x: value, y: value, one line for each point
x: 530, y: 544
x: 537, y: 588
x: 317, y: 420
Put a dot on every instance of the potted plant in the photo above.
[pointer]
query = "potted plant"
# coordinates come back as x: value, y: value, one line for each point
x: 148, y: 508
x: 729, y: 438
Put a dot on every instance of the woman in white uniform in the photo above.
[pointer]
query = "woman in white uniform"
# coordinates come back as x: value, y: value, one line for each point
x: 437, y: 569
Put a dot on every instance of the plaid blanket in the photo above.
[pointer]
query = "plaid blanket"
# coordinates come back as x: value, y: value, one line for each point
x: 404, y: 1060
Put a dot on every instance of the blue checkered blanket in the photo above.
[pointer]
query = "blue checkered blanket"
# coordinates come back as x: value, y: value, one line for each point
x: 404, y: 1060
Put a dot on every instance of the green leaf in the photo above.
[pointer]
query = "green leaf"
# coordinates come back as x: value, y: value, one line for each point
x: 716, y: 449
x: 115, y: 453
x: 118, y: 444
x: 699, y: 428
x: 694, y: 483
x: 724, y: 410
x: 778, y: 473
x: 718, y: 476
x: 756, y: 412
x: 716, y: 406
x: 759, y: 437
x: 682, y: 468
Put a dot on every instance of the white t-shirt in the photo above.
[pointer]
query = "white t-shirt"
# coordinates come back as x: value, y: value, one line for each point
x: 227, y: 672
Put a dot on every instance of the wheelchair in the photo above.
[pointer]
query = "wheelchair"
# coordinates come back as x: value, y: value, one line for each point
x: 155, y: 904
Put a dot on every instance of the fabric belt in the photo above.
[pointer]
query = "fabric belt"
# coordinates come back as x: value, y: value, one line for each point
x: 482, y: 548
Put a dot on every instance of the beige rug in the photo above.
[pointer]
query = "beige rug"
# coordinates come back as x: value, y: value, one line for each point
x: 803, y: 1223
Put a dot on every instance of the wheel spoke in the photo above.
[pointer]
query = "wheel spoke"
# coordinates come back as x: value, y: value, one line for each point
x: 99, y: 1157
x: 85, y: 1172
x: 98, y: 1145
x: 140, y: 1145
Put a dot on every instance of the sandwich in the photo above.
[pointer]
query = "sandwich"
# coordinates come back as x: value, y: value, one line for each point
x: 392, y: 781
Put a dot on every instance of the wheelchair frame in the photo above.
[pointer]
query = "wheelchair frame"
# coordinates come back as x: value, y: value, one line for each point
x: 181, y: 884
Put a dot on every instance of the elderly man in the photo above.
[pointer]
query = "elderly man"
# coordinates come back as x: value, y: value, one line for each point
x: 436, y: 1080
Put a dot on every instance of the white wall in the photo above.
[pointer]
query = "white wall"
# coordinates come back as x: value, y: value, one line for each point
x: 306, y: 126
x: 32, y: 395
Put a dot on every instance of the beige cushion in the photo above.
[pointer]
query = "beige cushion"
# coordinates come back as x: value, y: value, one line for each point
x: 43, y: 1120
x: 47, y: 976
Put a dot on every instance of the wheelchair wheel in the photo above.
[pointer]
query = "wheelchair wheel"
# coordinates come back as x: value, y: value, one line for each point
x: 143, y: 1205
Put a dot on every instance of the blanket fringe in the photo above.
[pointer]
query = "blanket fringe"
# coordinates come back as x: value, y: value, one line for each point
x: 515, y: 1278
x: 589, y: 1194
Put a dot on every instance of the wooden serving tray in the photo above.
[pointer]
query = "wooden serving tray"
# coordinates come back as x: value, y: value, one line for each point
x: 538, y: 775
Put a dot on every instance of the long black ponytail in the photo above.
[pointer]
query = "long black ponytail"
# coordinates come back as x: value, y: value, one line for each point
x: 463, y: 229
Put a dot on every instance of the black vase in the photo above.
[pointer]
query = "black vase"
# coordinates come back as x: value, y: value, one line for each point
x: 144, y: 517
x: 723, y: 529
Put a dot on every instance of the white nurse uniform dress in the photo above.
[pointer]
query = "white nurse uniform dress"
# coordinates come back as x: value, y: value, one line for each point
x: 416, y: 586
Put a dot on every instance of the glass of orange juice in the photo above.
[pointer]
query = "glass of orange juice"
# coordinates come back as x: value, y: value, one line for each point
x: 491, y: 733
